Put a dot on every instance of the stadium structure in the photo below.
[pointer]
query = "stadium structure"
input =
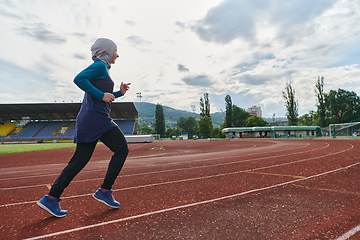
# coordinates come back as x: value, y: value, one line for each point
x: 272, y: 131
x: 55, y: 122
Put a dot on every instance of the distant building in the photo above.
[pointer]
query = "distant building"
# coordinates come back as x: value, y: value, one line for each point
x: 272, y: 132
x: 254, y: 110
x: 277, y: 123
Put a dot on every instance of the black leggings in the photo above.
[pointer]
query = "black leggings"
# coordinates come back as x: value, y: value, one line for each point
x: 114, y: 140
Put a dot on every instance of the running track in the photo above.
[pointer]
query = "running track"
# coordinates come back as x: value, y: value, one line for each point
x: 238, y: 189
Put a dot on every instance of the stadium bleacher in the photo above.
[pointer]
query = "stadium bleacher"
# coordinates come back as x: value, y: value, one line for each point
x: 47, y: 133
x: 69, y: 133
x: 51, y: 130
x: 126, y: 126
x: 67, y: 123
x: 6, y: 128
x: 54, y: 121
x: 30, y: 130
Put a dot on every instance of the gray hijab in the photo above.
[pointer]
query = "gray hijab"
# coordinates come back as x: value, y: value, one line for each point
x: 103, y: 49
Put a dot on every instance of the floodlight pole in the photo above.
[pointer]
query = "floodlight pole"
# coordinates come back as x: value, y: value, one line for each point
x: 193, y: 110
x: 139, y: 96
x: 274, y: 123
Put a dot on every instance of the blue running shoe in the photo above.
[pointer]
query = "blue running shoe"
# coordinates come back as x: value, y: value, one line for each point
x: 106, y: 198
x: 52, y: 207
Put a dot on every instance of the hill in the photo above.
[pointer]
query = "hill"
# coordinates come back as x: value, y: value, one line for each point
x: 171, y: 115
x: 269, y: 119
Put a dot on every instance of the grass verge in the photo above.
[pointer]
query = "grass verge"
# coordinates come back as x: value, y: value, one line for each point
x: 15, y: 148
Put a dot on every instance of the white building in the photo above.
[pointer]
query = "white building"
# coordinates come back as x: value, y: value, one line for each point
x: 273, y: 132
x: 254, y: 110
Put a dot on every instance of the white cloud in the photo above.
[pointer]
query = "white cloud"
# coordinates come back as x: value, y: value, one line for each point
x: 198, y: 80
x: 136, y: 40
x: 247, y: 49
x: 40, y: 32
x: 182, y: 68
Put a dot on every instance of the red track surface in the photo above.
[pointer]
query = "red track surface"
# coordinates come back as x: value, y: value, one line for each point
x: 239, y: 189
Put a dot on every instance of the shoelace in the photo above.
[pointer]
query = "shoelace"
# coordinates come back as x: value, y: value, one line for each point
x: 59, y: 204
x: 111, y: 194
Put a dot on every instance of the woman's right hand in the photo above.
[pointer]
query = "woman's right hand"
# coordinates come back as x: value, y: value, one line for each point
x: 108, y: 97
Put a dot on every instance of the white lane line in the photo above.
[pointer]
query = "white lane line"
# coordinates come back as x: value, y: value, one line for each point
x: 169, y: 170
x: 189, y: 179
x: 350, y: 233
x: 32, y: 168
x: 140, y: 145
x: 185, y: 206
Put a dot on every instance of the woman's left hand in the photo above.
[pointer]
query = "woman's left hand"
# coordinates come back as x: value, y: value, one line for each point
x: 124, y: 87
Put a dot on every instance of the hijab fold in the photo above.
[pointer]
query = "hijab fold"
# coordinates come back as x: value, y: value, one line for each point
x: 103, y: 50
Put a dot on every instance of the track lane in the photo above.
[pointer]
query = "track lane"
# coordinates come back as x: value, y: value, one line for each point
x: 29, y: 193
x: 138, y: 197
x: 109, y: 221
x: 211, y: 169
x: 94, y: 166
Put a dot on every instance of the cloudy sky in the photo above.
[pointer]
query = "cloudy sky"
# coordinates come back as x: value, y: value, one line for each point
x: 175, y: 51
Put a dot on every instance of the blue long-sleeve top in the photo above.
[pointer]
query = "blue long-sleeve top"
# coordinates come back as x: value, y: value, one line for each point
x: 97, y: 70
x: 93, y: 119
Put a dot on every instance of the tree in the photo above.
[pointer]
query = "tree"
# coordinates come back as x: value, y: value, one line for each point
x: 205, y: 106
x: 188, y: 124
x: 229, y: 115
x: 309, y: 119
x: 319, y: 93
x: 159, y: 120
x: 205, y: 126
x: 342, y: 106
x: 239, y: 116
x: 255, y: 121
x: 147, y: 130
x: 215, y: 132
x: 291, y: 104
x: 136, y: 128
x: 221, y: 134
x: 172, y: 132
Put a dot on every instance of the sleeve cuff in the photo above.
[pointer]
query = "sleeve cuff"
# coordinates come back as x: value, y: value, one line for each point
x: 117, y: 94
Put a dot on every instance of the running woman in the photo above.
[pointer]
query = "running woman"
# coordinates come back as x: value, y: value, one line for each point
x: 93, y: 123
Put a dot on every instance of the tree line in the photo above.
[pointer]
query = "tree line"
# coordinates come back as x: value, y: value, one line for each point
x: 203, y: 128
x: 335, y: 106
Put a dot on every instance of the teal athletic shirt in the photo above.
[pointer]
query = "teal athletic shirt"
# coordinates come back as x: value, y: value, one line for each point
x: 97, y: 70
x: 93, y: 119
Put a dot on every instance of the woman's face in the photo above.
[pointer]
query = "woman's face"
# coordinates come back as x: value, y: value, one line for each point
x: 116, y: 55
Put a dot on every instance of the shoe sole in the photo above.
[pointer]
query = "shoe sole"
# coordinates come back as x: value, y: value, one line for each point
x: 102, y: 201
x: 48, y: 210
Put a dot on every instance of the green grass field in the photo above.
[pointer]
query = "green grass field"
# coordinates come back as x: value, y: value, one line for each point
x: 14, y: 148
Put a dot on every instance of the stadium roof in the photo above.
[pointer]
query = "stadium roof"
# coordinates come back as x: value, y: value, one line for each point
x: 60, y: 111
x: 274, y: 128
